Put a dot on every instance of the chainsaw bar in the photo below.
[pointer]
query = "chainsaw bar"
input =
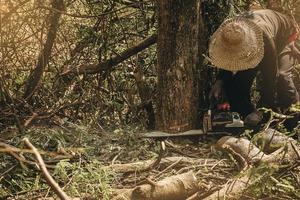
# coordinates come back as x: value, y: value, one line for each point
x: 196, y: 132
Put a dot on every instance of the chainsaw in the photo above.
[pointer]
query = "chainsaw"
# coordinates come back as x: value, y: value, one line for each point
x: 222, y: 119
x: 218, y: 120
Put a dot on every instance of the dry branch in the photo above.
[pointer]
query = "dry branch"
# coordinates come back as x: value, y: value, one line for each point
x: 13, y: 151
x: 178, y: 187
x: 283, y: 148
x: 271, y: 140
x: 108, y: 64
x: 7, y: 148
x: 53, y: 184
x: 241, y: 148
x: 234, y: 189
x: 165, y: 162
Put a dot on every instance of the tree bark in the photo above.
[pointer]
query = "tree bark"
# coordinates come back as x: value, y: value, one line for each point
x: 178, y: 58
x: 37, y: 74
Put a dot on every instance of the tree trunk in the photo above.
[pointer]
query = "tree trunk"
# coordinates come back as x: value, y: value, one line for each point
x: 178, y: 58
x: 37, y: 74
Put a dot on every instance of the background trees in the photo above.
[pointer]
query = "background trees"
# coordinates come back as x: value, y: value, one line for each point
x: 98, y: 35
x: 97, y: 72
x: 95, y: 62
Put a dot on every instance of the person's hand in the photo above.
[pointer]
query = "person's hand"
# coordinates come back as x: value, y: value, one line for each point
x: 217, y: 91
x: 253, y: 119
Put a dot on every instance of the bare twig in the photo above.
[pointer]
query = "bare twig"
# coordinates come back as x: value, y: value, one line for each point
x: 169, y: 167
x: 7, y: 171
x: 29, y: 120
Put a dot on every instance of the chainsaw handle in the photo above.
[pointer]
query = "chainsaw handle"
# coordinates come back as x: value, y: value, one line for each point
x: 214, y: 104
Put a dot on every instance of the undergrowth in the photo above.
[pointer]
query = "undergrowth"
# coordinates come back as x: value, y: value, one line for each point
x: 88, y: 180
x: 83, y: 174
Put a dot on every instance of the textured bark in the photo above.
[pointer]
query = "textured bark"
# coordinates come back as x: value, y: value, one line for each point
x: 178, y: 58
x: 37, y: 74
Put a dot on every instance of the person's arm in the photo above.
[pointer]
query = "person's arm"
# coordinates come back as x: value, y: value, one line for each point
x: 295, y: 48
x: 217, y: 90
x: 269, y: 70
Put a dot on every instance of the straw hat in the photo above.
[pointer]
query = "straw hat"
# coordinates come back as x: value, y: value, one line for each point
x: 237, y: 45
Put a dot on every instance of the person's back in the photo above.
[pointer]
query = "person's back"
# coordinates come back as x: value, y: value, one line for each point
x: 251, y: 42
x: 275, y: 25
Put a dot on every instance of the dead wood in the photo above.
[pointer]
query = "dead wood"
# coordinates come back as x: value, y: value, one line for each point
x: 13, y: 151
x: 241, y: 148
x: 271, y: 140
x: 108, y: 64
x: 235, y: 188
x: 165, y: 162
x: 52, y: 183
x: 284, y: 150
x: 178, y: 187
x: 7, y: 148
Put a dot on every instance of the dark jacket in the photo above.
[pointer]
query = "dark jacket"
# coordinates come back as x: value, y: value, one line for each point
x: 277, y: 29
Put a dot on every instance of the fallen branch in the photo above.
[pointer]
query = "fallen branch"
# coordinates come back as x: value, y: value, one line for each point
x: 110, y: 63
x: 271, y: 140
x: 241, y: 148
x: 53, y: 184
x: 165, y: 162
x: 284, y: 150
x: 13, y: 151
x: 7, y: 148
x: 178, y: 187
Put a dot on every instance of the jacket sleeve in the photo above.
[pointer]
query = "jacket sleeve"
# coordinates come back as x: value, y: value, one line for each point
x: 269, y: 71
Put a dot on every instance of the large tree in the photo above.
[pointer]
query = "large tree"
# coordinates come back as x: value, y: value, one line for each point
x: 178, y: 58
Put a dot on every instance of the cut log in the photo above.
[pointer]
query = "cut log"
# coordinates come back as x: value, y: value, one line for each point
x: 178, y: 187
x: 271, y: 140
x: 241, y: 148
x: 284, y: 150
x: 234, y: 189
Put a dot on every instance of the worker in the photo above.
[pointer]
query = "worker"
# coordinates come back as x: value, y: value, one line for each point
x: 262, y: 41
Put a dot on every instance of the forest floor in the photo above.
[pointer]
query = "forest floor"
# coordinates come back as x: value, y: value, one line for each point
x: 84, y: 162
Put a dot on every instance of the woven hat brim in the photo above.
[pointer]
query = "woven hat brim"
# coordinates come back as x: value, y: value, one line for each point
x: 242, y: 56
